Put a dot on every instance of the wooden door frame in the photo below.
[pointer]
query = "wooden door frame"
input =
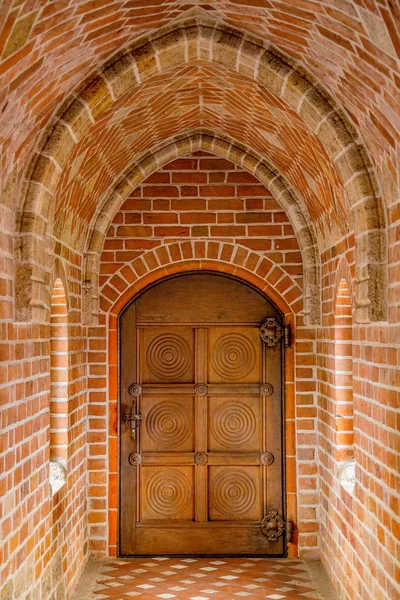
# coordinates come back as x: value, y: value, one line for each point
x: 129, y: 296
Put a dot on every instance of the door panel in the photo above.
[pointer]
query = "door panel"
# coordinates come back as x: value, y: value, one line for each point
x: 168, y: 424
x: 167, y: 493
x: 235, y: 424
x: 234, y: 355
x: 193, y: 476
x: 235, y: 494
x: 167, y: 354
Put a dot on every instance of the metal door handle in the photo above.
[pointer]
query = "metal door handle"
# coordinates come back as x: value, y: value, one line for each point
x: 132, y: 422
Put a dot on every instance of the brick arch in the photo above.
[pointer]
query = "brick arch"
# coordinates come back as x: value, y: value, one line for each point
x: 176, y: 44
x: 226, y: 148
x: 184, y: 256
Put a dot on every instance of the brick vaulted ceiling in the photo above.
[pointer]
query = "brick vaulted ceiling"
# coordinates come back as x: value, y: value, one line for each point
x: 348, y: 48
x: 184, y: 99
x: 47, y: 48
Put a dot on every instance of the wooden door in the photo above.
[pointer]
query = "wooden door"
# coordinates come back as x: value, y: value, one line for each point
x: 201, y: 420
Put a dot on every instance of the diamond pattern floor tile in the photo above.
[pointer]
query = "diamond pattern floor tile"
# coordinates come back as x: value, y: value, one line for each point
x: 162, y: 578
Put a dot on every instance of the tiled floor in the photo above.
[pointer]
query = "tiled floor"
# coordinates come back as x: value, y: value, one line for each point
x: 204, y: 579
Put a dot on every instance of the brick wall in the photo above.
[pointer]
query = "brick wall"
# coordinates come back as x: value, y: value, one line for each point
x: 43, y: 536
x: 359, y: 530
x: 199, y: 212
x: 201, y: 197
x: 166, y: 204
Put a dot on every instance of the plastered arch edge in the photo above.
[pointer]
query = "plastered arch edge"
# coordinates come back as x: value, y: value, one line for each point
x: 249, y: 56
x: 226, y: 148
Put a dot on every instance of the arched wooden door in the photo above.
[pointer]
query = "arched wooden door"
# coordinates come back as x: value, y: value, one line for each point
x: 201, y: 430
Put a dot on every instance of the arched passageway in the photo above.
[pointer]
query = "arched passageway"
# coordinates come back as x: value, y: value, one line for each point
x: 146, y: 141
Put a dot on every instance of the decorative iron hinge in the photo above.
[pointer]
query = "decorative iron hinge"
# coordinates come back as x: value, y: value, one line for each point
x: 271, y: 333
x: 273, y: 526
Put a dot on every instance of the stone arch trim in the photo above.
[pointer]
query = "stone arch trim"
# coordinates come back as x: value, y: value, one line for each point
x: 34, y: 295
x: 211, y: 255
x: 178, y: 43
x: 238, y: 154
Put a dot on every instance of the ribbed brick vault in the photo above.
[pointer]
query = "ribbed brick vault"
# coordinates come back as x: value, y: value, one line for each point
x: 218, y: 78
x: 48, y: 48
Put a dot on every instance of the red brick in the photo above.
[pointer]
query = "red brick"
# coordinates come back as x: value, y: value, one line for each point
x: 152, y: 191
x: 171, y: 231
x: 214, y: 164
x: 221, y: 191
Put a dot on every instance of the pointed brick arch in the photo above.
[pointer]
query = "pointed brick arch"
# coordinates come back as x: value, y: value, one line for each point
x: 224, y: 147
x: 176, y: 44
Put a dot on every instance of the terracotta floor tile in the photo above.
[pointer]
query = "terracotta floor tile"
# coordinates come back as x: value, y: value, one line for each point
x: 162, y: 578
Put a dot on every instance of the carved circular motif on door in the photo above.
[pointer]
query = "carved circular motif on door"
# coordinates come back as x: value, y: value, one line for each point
x: 233, y: 356
x: 169, y: 493
x: 201, y: 458
x: 135, y: 389
x: 168, y: 356
x: 232, y: 423
x: 266, y: 389
x: 233, y: 493
x: 201, y: 389
x: 135, y: 459
x: 168, y: 424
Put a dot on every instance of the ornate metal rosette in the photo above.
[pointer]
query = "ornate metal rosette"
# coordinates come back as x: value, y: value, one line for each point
x: 272, y: 526
x: 201, y: 458
x: 201, y: 389
x: 135, y: 459
x: 135, y: 389
x: 267, y: 458
x: 266, y: 389
x: 271, y: 332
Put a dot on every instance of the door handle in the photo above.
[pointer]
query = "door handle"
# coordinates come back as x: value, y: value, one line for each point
x: 132, y: 422
x: 132, y: 419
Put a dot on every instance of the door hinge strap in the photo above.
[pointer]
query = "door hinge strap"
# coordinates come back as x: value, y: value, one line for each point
x: 289, y: 531
x: 286, y: 338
